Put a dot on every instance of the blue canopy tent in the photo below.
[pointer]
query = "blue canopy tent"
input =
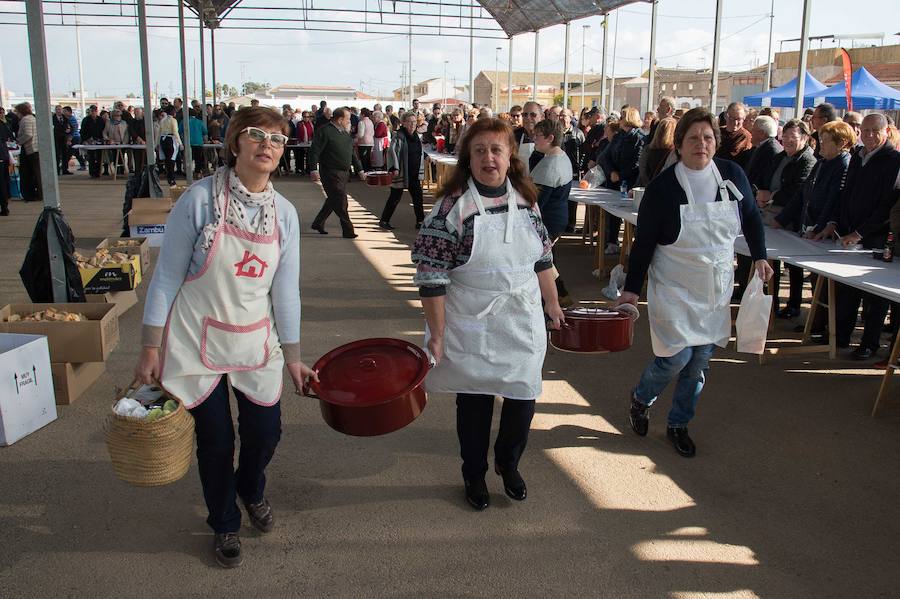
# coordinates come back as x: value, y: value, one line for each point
x: 786, y: 95
x: 868, y: 94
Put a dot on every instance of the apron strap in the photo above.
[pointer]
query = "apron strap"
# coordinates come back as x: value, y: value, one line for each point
x: 512, y: 211
x: 476, y: 196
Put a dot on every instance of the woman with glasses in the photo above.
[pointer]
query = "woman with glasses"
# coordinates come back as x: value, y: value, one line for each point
x: 224, y: 307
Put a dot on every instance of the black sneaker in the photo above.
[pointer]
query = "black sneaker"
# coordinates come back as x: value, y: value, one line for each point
x: 680, y: 439
x: 639, y: 417
x: 261, y: 516
x: 228, y: 550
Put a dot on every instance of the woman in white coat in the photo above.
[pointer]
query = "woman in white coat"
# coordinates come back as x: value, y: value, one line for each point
x: 224, y: 307
x: 688, y: 221
x: 483, y: 264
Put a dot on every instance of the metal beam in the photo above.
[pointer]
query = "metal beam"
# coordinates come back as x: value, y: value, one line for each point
x: 37, y: 47
x: 534, y: 81
x: 212, y: 47
x: 651, y: 77
x: 202, y: 73
x: 603, y: 105
x: 769, y: 55
x: 509, y: 81
x: 717, y: 38
x: 566, y: 70
x: 801, y: 66
x: 145, y: 84
x: 471, y: 60
x: 185, y: 113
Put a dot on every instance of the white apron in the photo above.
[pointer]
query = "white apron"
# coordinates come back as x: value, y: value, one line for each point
x: 495, y: 338
x: 526, y: 149
x: 690, y: 281
x: 222, y: 321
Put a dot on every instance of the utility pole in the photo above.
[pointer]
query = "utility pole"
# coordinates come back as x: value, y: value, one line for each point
x: 769, y: 55
x: 534, y: 81
x: 612, y: 93
x: 566, y: 70
x: 603, y: 64
x: 801, y: 68
x: 444, y: 86
x: 714, y: 85
x: 496, y: 106
x: 651, y: 99
x: 80, y: 69
x: 584, y: 34
x: 509, y: 77
x: 411, y: 92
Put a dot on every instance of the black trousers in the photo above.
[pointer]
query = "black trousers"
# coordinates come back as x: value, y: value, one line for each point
x: 167, y: 145
x: 199, y: 159
x: 415, y: 190
x: 4, y: 186
x: 335, y: 185
x: 30, y: 177
x: 94, y: 159
x: 473, y: 427
x: 365, y: 156
x: 62, y: 155
x: 260, y: 431
x: 300, y: 160
x: 613, y: 224
x: 874, y: 312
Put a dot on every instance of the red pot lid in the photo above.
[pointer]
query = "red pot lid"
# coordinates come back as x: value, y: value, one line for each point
x: 370, y: 372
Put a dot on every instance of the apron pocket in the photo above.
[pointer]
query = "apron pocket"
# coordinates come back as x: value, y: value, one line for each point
x: 226, y: 347
x: 465, y: 335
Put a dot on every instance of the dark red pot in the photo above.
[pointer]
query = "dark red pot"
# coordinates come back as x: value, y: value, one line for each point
x: 372, y: 386
x: 593, y: 330
x: 378, y: 178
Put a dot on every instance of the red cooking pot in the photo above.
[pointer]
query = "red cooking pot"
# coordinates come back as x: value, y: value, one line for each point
x: 378, y: 178
x: 440, y: 143
x: 593, y: 330
x: 371, y: 386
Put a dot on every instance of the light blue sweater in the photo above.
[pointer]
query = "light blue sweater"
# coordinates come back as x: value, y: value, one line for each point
x: 181, y: 255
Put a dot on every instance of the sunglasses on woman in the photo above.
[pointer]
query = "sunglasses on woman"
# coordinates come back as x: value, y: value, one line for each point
x: 258, y: 135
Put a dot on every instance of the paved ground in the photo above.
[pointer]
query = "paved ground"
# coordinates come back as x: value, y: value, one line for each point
x: 792, y: 494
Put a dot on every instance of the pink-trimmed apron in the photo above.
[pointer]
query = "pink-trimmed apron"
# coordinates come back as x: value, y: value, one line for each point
x: 222, y: 322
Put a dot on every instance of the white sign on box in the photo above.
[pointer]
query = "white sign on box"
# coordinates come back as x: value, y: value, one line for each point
x: 27, y: 402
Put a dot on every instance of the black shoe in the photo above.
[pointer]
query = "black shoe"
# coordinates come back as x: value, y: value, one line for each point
x: 66, y: 173
x: 570, y: 229
x: 228, y: 550
x: 788, y: 312
x: 261, y: 516
x: 862, y: 353
x: 513, y: 483
x: 4, y: 212
x: 639, y: 417
x: 383, y: 224
x: 320, y: 229
x: 350, y: 236
x: 477, y: 494
x: 418, y: 226
x: 678, y: 435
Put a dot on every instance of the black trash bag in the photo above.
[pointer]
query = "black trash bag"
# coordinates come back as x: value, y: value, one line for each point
x: 140, y: 185
x: 35, y: 271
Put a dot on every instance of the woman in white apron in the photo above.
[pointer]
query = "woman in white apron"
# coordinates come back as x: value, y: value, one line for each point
x: 484, y: 262
x: 688, y: 220
x: 224, y: 307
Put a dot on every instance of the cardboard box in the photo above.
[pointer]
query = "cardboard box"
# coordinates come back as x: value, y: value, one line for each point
x: 123, y: 276
x: 148, y: 218
x: 142, y: 249
x: 26, y: 386
x: 71, y: 380
x: 123, y: 300
x: 89, y: 341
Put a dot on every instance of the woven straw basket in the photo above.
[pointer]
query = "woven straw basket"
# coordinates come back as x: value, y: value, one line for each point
x: 150, y: 454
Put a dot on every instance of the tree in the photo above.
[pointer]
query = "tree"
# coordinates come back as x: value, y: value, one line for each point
x: 223, y: 90
x: 558, y: 100
x: 251, y: 87
x: 131, y: 95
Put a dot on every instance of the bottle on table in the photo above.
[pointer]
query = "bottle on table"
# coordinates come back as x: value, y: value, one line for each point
x: 889, y: 248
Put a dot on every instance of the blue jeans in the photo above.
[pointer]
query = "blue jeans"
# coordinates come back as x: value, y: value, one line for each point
x: 690, y: 365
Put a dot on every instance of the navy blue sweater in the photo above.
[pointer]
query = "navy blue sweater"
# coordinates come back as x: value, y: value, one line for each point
x: 659, y: 219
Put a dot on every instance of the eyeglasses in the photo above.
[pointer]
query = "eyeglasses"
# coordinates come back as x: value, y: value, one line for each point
x: 533, y: 115
x: 516, y: 115
x: 258, y: 135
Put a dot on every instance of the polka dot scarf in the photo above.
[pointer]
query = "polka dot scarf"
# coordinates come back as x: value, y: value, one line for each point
x: 262, y: 223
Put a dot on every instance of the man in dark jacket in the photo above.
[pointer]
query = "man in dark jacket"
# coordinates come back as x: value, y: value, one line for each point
x: 823, y: 113
x: 870, y: 192
x: 92, y: 133
x: 765, y: 148
x: 330, y: 159
x: 62, y: 134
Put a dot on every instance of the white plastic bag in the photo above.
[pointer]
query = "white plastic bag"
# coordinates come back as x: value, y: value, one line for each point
x: 616, y: 283
x: 753, y: 318
x: 595, y: 177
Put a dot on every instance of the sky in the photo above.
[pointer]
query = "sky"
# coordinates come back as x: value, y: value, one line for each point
x: 372, y: 62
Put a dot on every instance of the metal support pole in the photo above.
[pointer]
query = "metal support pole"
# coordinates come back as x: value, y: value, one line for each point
x: 80, y: 69
x: 202, y: 70
x: 145, y: 83
x: 37, y: 47
x: 509, y: 78
x: 496, y: 99
x: 534, y: 80
x: 612, y: 83
x: 212, y: 47
x: 603, y: 105
x: 651, y: 77
x: 566, y: 70
x: 471, y: 59
x: 769, y: 55
x: 584, y: 31
x: 411, y: 84
x: 801, y: 67
x: 714, y: 83
x: 185, y: 112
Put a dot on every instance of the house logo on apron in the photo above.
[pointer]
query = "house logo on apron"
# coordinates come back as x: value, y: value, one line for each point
x: 251, y: 266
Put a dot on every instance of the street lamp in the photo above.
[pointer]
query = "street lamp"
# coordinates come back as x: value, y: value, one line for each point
x: 584, y: 35
x: 444, y: 85
x: 497, y: 78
